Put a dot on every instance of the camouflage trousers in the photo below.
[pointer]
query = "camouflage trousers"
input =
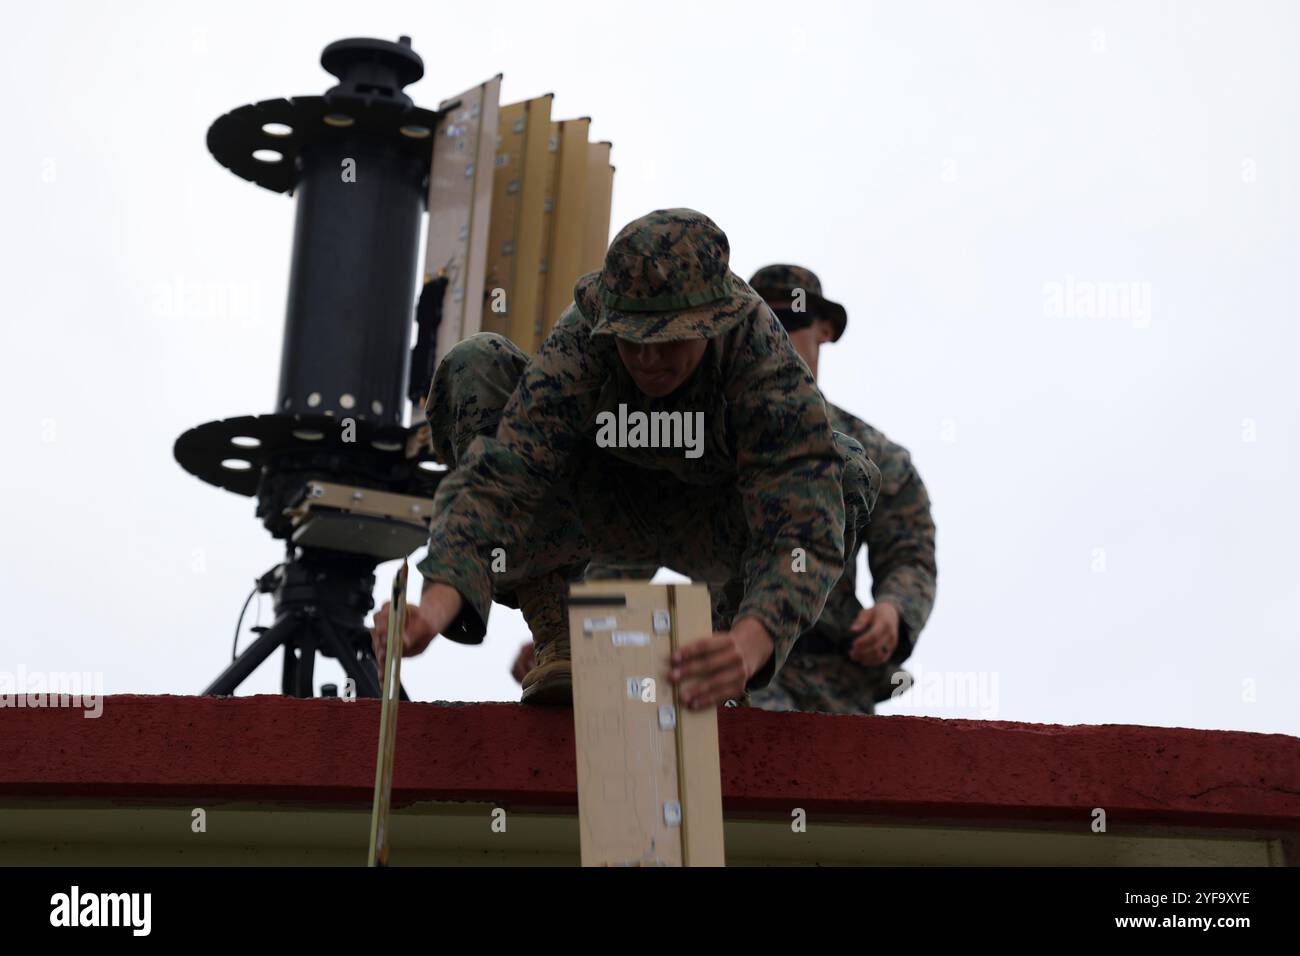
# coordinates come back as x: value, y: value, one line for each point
x: 605, y: 511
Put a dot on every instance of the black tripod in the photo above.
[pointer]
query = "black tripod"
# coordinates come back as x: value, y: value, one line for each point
x: 321, y: 599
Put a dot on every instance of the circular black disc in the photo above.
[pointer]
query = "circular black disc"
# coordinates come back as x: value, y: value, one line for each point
x: 230, y: 453
x: 240, y: 137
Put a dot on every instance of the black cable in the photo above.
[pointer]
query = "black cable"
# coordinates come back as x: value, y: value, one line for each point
x: 240, y: 623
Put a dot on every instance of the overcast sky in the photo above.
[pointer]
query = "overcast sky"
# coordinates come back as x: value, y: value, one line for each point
x: 1065, y: 233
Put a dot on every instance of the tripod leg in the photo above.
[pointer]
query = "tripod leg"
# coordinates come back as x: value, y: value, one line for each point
x: 288, y: 667
x: 252, y: 656
x: 298, y: 672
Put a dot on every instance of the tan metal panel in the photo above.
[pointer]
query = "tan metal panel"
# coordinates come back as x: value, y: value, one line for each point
x: 367, y: 501
x: 460, y: 199
x: 649, y: 786
x: 564, y: 257
x: 550, y: 167
x: 517, y: 233
x: 600, y: 192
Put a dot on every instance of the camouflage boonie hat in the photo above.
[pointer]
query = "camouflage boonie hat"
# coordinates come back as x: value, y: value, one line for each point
x: 666, y: 278
x: 777, y: 285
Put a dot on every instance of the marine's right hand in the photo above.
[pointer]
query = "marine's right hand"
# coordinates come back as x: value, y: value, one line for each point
x: 439, y: 606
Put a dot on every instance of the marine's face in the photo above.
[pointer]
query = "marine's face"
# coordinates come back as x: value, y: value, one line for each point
x: 659, y: 368
x: 809, y: 340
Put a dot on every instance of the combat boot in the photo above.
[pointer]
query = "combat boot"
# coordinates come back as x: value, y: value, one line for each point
x: 541, y: 600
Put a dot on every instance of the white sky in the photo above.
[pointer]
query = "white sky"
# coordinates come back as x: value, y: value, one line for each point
x: 940, y: 165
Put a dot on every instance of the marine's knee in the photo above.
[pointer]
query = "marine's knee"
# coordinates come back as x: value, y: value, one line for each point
x: 483, y: 354
x: 475, y: 369
x: 470, y: 388
x: 487, y: 343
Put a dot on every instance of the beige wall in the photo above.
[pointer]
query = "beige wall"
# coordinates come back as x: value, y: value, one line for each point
x: 71, y: 833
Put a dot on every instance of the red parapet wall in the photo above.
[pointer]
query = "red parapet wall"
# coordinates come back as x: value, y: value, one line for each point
x: 899, y: 769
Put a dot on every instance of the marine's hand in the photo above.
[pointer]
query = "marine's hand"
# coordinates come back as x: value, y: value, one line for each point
x: 438, y: 607
x: 718, y: 667
x: 524, y: 662
x: 876, y: 644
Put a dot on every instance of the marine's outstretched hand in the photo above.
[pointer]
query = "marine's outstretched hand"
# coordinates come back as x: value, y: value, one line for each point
x: 439, y: 605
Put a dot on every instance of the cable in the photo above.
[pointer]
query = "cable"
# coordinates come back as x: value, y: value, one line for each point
x: 240, y: 623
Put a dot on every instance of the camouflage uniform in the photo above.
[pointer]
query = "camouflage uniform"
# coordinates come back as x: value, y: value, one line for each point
x: 819, y: 675
x: 773, y: 482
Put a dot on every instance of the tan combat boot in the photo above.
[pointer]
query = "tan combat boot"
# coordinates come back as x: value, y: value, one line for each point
x: 550, y: 682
